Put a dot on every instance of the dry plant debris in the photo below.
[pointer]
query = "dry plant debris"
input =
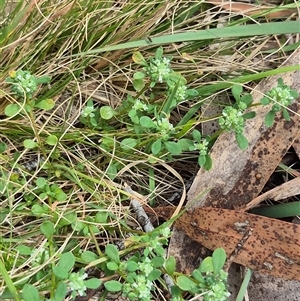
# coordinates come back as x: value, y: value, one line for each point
x: 251, y: 9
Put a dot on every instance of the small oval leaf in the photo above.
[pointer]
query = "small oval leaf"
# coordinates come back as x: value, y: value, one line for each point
x: 113, y: 286
x: 106, y: 112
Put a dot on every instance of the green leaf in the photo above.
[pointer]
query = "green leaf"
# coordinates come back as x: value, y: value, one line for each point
x: 247, y: 99
x: 30, y: 293
x: 286, y: 114
x: 138, y: 84
x: 139, y: 75
x: 60, y: 195
x: 112, y: 253
x: 176, y: 292
x: 157, y: 261
x: 156, y: 147
x: 45, y: 104
x: 38, y: 210
x: 202, y: 160
x: 198, y: 276
x: 106, y: 112
x: 128, y: 143
x: 92, y: 283
x: 47, y: 229
x: 265, y: 101
x: 170, y: 265
x: 29, y: 144
x: 65, y: 264
x: 24, y: 250
x: 294, y: 93
x: 113, y: 286
x: 101, y: 217
x: 191, y: 93
x: 159, y: 53
x: 112, y: 171
x: 185, y: 283
x: 241, y: 140
x: 89, y: 256
x: 12, y: 109
x: 147, y: 122
x: 173, y: 147
x: 3, y: 147
x: 269, y: 119
x: 154, y: 275
x: 249, y: 115
x: 138, y: 58
x: 185, y: 144
x: 132, y: 266
x: 40, y: 182
x: 208, y: 163
x: 66, y: 219
x: 218, y: 259
x: 206, y: 265
x: 171, y: 101
x: 185, y: 128
x: 112, y: 266
x: 280, y: 81
x: 61, y: 291
x: 51, y: 140
x: 43, y: 79
x: 237, y: 91
x: 197, y: 135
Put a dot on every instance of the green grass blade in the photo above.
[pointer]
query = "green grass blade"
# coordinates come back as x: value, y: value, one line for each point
x: 8, y: 281
x: 278, y: 211
x: 243, y: 288
x: 208, y: 34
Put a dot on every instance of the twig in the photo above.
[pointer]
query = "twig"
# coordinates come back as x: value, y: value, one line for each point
x: 145, y: 222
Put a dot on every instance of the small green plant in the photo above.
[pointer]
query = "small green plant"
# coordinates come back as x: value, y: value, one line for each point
x: 148, y: 121
x: 139, y: 272
x: 63, y: 282
x: 94, y: 117
x: 24, y: 85
x: 51, y: 192
x: 202, y: 145
x: 209, y: 280
x: 281, y: 97
x: 233, y: 117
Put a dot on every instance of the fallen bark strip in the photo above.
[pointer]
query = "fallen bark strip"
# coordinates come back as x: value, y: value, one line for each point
x: 285, y: 190
x: 263, y: 244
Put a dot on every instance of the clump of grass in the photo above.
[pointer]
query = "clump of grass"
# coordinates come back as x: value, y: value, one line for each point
x: 69, y: 144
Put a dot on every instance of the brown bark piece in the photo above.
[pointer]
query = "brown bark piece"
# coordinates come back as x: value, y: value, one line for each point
x: 263, y: 244
x: 288, y: 189
x: 296, y: 146
x: 238, y: 176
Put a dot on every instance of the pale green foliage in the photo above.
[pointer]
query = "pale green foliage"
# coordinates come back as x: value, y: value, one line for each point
x: 233, y: 117
x: 158, y: 69
x: 139, y: 272
x: 232, y: 120
x: 281, y: 97
x: 22, y: 83
x: 76, y: 283
x: 88, y: 111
